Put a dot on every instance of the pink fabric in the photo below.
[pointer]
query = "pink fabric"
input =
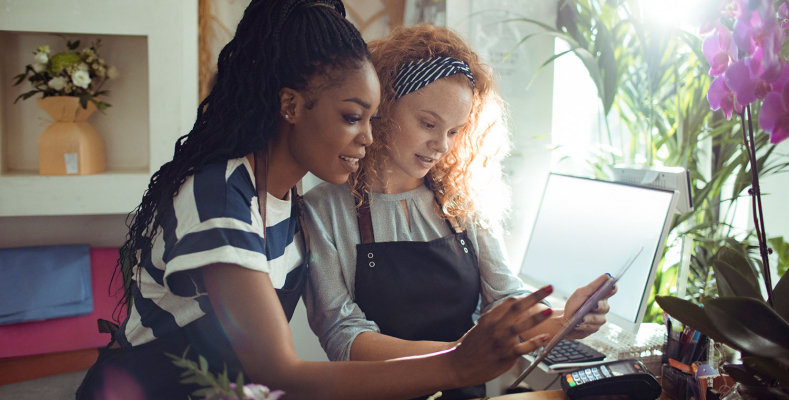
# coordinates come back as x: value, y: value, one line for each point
x: 71, y: 333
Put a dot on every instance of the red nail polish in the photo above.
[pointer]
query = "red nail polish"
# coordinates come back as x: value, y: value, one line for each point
x: 547, y: 312
x: 545, y: 338
x: 548, y: 289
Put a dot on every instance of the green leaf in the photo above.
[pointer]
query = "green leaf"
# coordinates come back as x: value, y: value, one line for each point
x: 27, y: 95
x: 781, y: 249
x: 194, y: 379
x: 183, y: 363
x: 724, y: 289
x: 731, y: 281
x: 750, y: 325
x: 544, y: 64
x: 692, y: 315
x: 781, y: 297
x: 19, y: 79
x: 203, y: 364
x: 738, y: 261
x: 223, y: 380
x: 203, y: 392
x: 240, y: 385
x: 769, y: 367
x: 608, y: 67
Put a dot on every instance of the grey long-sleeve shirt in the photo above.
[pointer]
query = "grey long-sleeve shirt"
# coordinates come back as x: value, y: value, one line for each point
x: 334, y: 232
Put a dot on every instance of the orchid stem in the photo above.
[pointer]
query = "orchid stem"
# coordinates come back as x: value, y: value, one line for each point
x: 758, y: 216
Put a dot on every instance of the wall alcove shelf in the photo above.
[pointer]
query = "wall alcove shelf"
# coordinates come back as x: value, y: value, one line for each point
x: 153, y: 44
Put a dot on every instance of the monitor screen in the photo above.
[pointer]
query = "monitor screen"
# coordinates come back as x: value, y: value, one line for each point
x: 586, y: 227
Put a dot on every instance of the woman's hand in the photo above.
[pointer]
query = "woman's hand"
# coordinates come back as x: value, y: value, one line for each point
x: 492, y: 346
x: 595, y: 318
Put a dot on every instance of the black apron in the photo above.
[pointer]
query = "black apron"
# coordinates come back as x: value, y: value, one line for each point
x: 419, y: 290
x: 145, y: 371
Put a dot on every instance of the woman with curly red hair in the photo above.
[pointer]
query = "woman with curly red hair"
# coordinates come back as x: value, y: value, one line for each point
x: 405, y: 252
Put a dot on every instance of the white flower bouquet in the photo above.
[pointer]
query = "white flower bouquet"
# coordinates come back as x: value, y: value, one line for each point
x: 70, y: 73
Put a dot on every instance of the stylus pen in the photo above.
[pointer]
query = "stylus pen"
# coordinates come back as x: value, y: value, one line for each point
x: 604, y: 289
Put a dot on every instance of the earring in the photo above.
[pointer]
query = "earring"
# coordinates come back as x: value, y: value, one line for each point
x: 287, y: 116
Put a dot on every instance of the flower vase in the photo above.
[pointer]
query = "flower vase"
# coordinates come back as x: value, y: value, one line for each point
x: 70, y: 146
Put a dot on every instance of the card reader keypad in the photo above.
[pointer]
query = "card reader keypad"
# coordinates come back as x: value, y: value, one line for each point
x: 587, y: 375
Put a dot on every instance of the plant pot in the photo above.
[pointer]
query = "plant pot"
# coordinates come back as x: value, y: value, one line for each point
x: 70, y: 146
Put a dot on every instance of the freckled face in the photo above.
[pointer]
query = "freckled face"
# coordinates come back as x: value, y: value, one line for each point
x: 330, y: 138
x: 429, y: 120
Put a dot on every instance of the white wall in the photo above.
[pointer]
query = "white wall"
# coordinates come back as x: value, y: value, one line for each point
x: 529, y: 107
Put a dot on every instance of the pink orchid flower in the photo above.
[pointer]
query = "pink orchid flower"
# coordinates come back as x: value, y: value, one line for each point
x: 747, y: 89
x: 783, y: 15
x: 730, y: 9
x: 774, y: 115
x: 765, y: 65
x: 719, y: 49
x: 754, y: 24
x: 721, y: 97
x: 752, y: 78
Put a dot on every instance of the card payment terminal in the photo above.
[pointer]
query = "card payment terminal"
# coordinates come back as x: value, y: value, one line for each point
x: 622, y: 377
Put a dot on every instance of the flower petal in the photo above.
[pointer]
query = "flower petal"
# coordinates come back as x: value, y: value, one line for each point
x: 711, y: 48
x: 717, y: 92
x: 781, y: 130
x: 772, y: 109
x: 727, y: 106
x: 743, y: 36
x: 785, y: 96
x: 738, y: 79
x: 783, y: 77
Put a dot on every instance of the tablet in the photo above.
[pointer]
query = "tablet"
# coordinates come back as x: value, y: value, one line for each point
x: 604, y: 289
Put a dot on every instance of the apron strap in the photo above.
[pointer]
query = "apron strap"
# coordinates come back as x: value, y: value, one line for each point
x: 453, y: 223
x: 365, y: 221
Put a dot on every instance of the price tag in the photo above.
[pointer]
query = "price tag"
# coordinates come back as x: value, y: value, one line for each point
x: 72, y: 166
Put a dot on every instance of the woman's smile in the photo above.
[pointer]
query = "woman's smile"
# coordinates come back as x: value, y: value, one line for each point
x: 351, y: 163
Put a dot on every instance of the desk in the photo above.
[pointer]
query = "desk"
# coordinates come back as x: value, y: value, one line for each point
x: 549, y: 395
x: 544, y: 395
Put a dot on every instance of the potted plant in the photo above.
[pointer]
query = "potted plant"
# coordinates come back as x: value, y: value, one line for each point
x: 70, y: 83
x: 744, y: 48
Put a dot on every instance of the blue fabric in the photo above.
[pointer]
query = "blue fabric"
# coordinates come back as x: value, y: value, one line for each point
x: 45, y: 282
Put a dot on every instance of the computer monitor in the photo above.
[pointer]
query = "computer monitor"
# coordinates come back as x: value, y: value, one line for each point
x: 586, y: 227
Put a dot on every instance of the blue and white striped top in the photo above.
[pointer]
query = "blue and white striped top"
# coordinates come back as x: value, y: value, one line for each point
x: 214, y: 218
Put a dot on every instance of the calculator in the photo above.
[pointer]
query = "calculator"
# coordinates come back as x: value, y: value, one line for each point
x: 622, y: 377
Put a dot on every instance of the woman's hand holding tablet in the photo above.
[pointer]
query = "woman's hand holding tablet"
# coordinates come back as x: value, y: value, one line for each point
x: 603, y: 291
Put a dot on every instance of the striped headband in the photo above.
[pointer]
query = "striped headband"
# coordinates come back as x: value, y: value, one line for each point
x: 418, y: 74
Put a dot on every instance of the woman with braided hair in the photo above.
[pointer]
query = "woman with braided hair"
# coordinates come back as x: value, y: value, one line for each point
x: 406, y: 251
x: 218, y: 245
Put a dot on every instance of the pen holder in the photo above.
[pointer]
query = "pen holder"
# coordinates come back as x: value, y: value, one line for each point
x: 677, y: 384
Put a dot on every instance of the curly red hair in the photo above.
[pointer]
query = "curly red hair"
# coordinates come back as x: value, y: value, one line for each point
x: 468, y: 180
